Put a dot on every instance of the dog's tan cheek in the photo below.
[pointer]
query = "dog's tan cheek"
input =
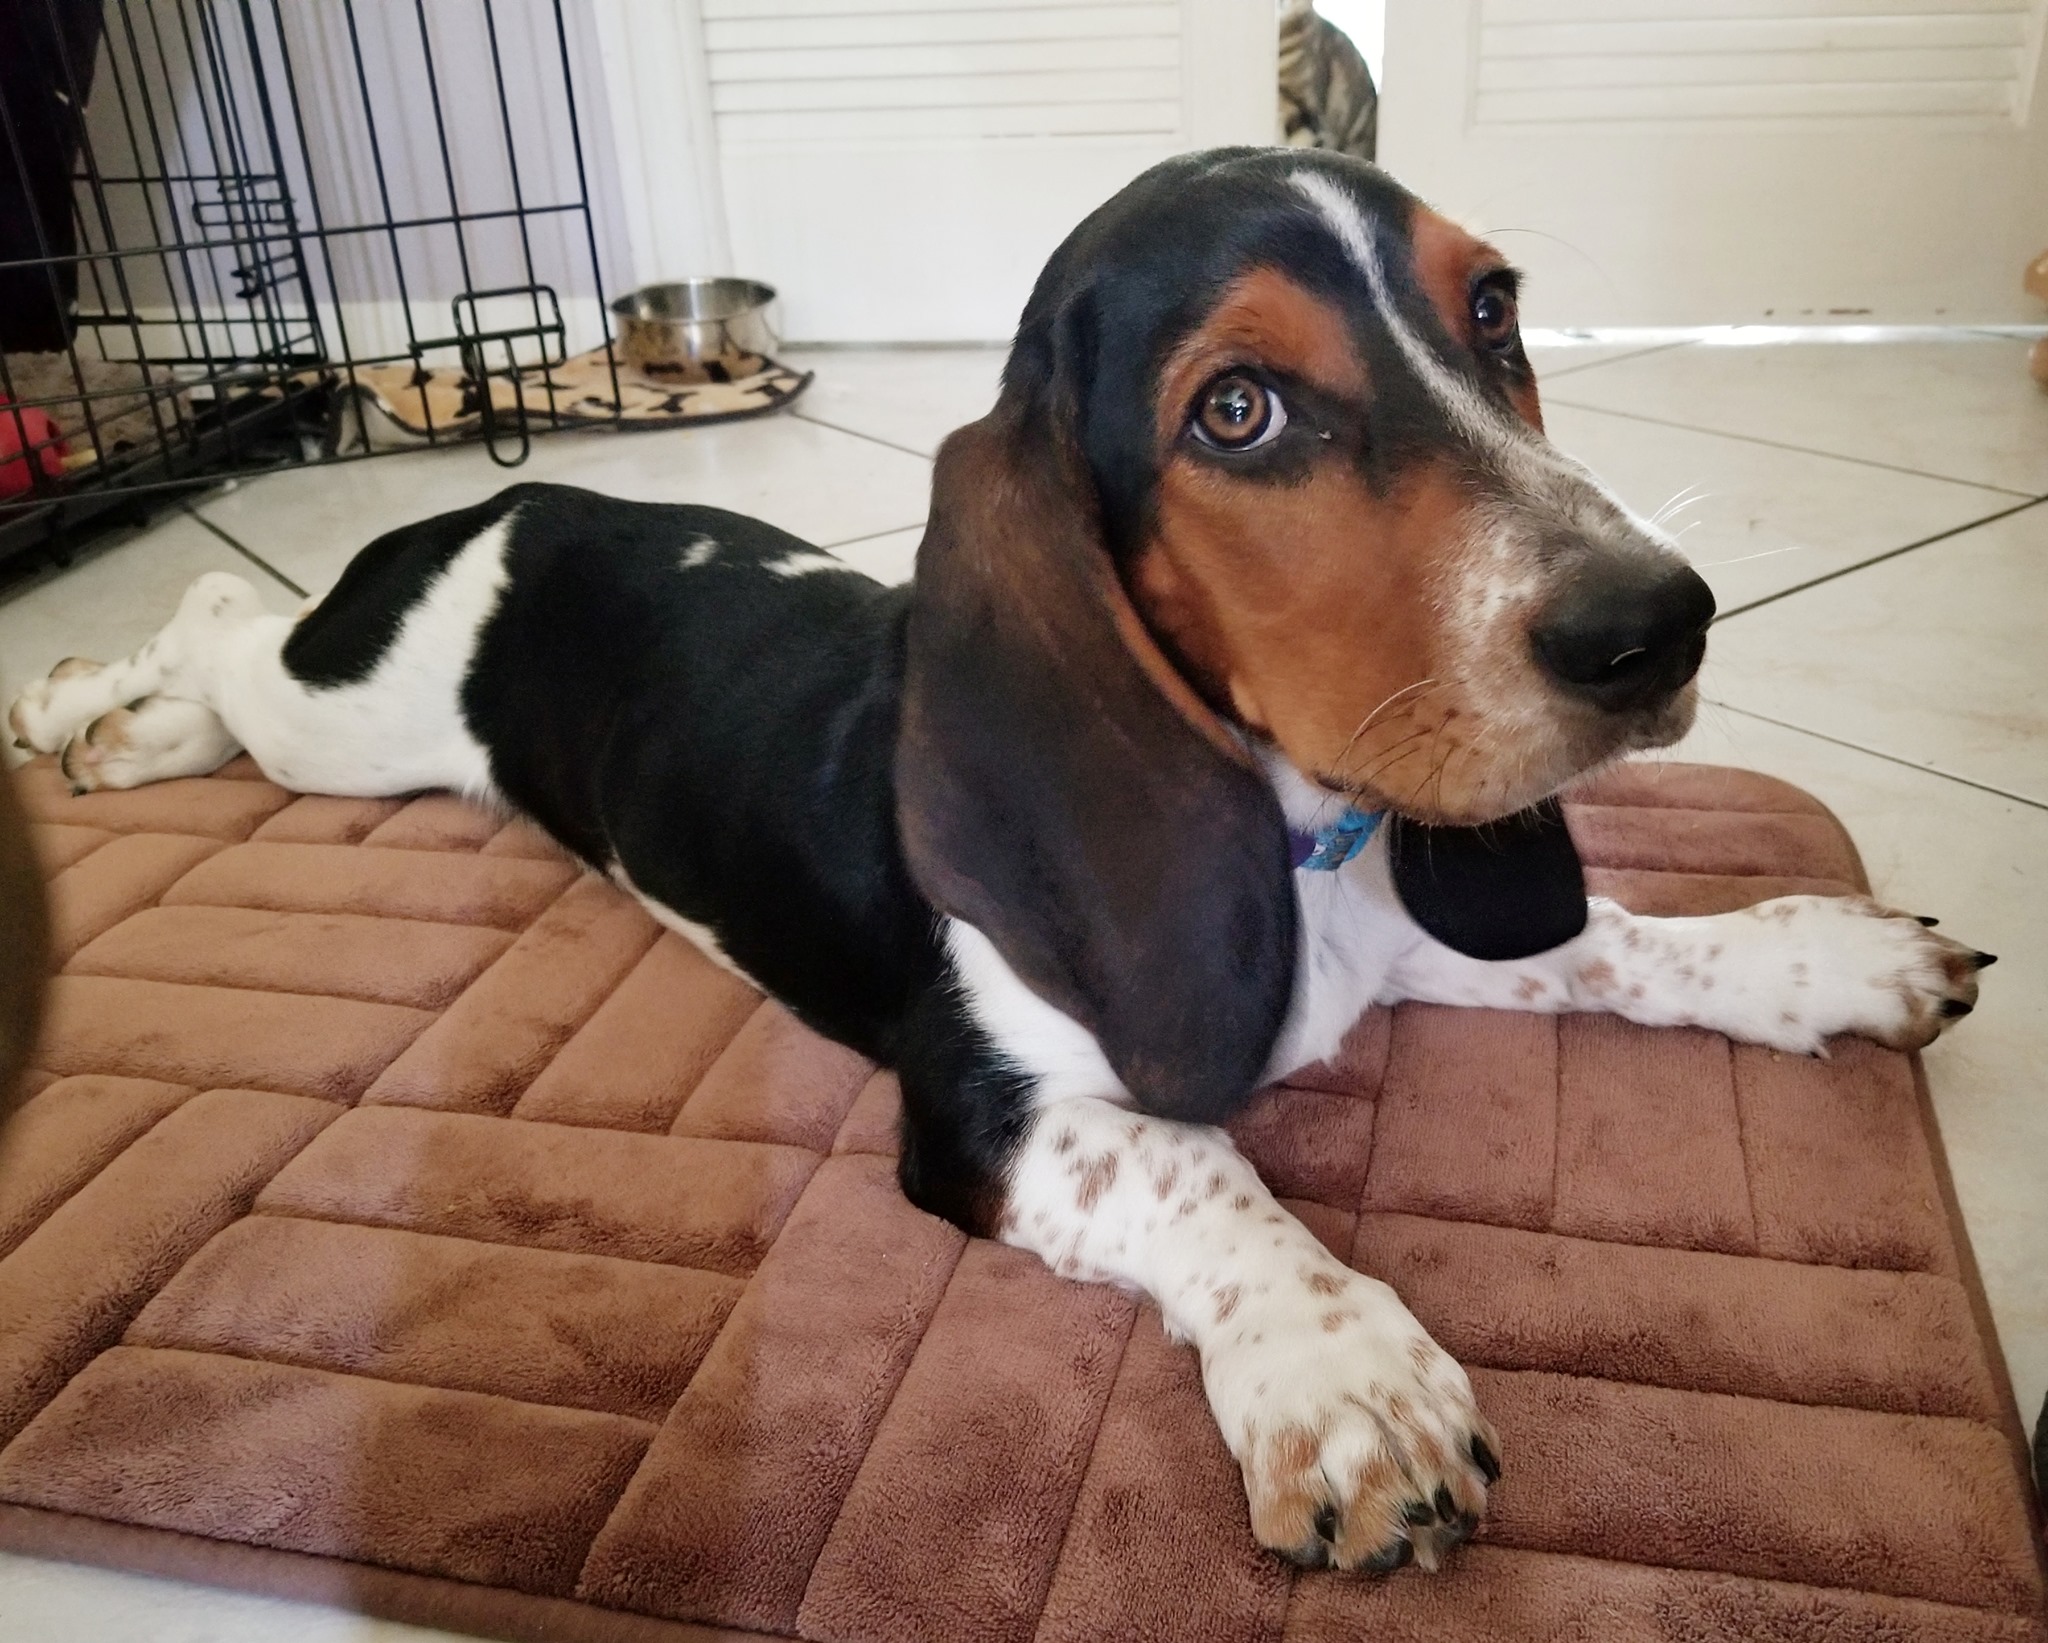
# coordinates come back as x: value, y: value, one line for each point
x: 1177, y: 611
x: 1304, y: 609
x: 1173, y: 584
x: 1272, y: 594
x: 1527, y: 403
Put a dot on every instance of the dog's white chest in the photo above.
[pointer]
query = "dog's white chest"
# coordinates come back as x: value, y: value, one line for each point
x: 1352, y: 932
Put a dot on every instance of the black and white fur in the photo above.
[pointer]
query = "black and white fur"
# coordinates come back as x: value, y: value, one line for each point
x: 859, y: 797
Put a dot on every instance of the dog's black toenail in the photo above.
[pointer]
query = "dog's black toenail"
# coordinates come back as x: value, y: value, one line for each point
x: 1985, y: 960
x: 1326, y: 1523
x: 1953, y: 1007
x: 1483, y: 1458
x: 1462, y: 1530
x: 1418, y: 1512
x: 1389, y: 1558
x: 18, y: 742
x: 1446, y: 1508
x: 1922, y: 919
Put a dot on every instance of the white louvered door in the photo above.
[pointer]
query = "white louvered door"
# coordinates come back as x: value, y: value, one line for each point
x: 900, y: 169
x: 1704, y: 161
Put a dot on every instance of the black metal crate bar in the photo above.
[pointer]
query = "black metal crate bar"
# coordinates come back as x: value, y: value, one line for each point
x: 217, y: 215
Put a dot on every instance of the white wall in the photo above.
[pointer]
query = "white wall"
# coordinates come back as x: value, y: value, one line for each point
x: 1365, y: 21
x: 901, y: 169
x: 1709, y: 161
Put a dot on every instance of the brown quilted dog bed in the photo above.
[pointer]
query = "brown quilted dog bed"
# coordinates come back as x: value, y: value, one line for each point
x: 403, y: 1221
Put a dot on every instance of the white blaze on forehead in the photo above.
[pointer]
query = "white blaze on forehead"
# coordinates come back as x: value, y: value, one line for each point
x: 1525, y: 460
x: 1487, y: 427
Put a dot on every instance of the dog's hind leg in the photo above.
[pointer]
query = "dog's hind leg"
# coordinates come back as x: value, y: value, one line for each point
x: 29, y: 720
x: 362, y: 696
x: 51, y: 712
x: 156, y: 739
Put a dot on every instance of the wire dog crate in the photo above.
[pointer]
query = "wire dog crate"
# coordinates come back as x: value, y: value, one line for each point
x: 221, y: 220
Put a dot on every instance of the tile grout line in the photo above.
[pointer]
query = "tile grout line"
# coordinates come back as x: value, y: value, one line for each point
x: 1780, y: 445
x: 1879, y: 559
x: 1878, y: 753
x: 855, y: 433
x: 271, y: 570
x: 870, y: 536
x: 254, y: 558
x: 1612, y: 359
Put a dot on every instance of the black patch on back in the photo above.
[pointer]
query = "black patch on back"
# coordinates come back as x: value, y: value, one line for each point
x: 343, y: 638
x: 723, y: 733
x: 1506, y: 890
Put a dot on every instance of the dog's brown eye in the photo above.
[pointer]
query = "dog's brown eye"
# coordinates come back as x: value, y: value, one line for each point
x: 1237, y: 413
x: 1493, y: 315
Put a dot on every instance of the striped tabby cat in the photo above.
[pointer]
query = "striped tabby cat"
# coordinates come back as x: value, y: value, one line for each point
x: 1327, y: 98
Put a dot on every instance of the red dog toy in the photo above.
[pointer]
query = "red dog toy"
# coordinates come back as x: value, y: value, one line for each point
x: 26, y: 434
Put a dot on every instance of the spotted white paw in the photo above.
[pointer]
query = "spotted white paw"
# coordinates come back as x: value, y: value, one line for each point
x: 158, y: 738
x: 1358, y: 1437
x: 1854, y: 966
x: 50, y: 711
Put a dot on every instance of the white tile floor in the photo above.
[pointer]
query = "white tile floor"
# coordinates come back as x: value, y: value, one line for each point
x: 1907, y: 686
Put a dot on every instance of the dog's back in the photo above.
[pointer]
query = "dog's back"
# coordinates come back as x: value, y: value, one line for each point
x: 698, y: 704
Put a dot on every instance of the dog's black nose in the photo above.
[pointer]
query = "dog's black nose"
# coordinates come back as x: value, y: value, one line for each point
x: 1626, y: 635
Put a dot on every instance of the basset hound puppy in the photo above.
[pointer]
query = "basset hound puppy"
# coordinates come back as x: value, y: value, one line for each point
x: 1253, y: 633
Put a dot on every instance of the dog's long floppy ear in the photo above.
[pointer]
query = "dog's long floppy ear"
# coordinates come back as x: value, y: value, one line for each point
x: 1506, y: 890
x: 1061, y: 788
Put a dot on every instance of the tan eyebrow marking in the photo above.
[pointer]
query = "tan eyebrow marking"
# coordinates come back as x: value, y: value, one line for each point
x: 1507, y: 440
x: 1263, y: 317
x: 1448, y: 262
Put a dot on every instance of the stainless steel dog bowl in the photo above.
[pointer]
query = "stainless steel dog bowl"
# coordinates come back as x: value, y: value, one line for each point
x: 686, y: 322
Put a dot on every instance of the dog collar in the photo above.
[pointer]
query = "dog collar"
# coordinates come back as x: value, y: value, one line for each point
x: 1329, y: 848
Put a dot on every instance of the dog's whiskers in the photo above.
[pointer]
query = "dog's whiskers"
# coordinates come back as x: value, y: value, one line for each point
x: 1366, y: 723
x: 1680, y: 500
x: 1391, y: 755
x: 1443, y: 766
x: 1743, y: 559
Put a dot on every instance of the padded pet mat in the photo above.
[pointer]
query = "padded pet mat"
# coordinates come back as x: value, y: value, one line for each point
x: 404, y: 1221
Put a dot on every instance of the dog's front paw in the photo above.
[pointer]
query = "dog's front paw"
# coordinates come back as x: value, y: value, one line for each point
x: 1359, y: 1440
x: 1863, y: 968
x: 41, y: 718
